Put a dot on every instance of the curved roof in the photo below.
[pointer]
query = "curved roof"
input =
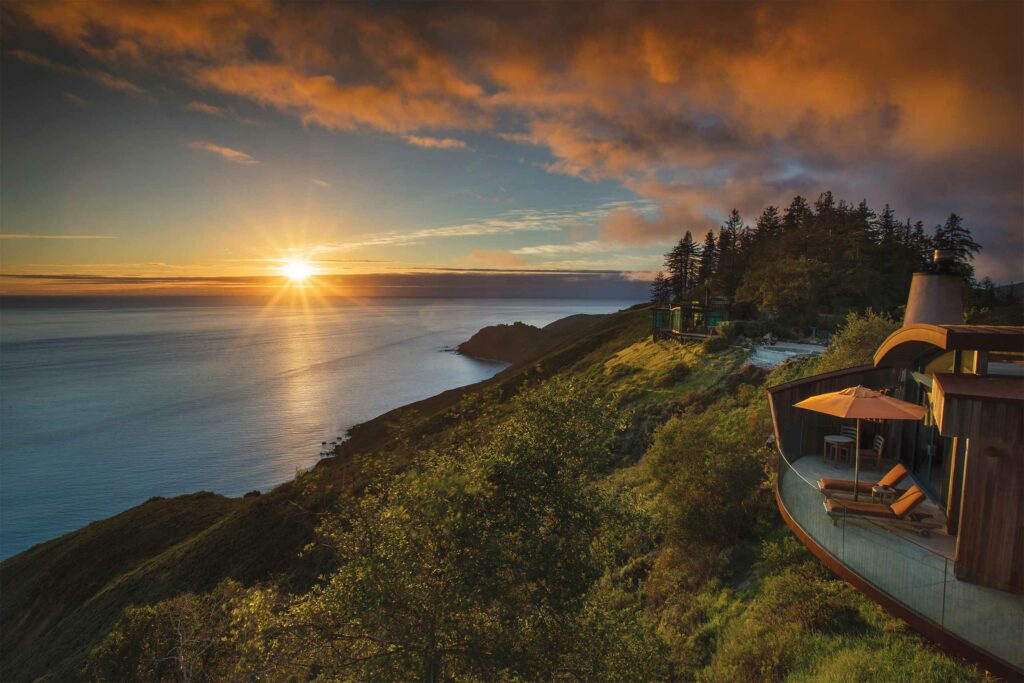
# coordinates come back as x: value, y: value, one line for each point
x: 912, y: 341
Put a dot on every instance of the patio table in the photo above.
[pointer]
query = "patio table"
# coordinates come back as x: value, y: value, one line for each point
x: 837, y: 443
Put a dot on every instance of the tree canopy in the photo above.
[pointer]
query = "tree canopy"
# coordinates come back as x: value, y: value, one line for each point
x: 807, y: 260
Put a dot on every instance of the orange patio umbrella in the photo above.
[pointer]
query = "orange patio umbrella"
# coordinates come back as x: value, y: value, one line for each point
x: 862, y: 403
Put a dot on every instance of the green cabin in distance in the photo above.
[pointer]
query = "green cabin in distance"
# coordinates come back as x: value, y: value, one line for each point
x: 691, y: 318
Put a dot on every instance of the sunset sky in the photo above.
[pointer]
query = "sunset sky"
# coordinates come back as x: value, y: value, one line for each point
x: 197, y: 145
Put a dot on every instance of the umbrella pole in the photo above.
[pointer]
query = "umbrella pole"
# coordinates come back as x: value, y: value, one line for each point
x: 856, y: 463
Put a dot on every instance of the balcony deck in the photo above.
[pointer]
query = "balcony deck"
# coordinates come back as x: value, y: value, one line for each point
x: 812, y: 467
x: 910, y: 576
x: 891, y: 558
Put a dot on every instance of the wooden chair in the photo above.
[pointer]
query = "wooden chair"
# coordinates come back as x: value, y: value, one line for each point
x: 845, y: 452
x: 875, y: 451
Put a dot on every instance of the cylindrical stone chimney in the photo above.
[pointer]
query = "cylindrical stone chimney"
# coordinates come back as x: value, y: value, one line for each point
x: 936, y: 297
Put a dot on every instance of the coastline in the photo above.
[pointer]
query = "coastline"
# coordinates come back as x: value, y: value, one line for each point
x: 483, y: 366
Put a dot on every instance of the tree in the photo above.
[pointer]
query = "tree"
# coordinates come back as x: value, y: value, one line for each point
x: 681, y: 264
x: 182, y: 639
x: 953, y: 236
x: 730, y: 257
x: 787, y: 288
x: 796, y: 214
x: 661, y: 289
x: 768, y: 225
x: 853, y: 257
x: 922, y: 246
x: 708, y: 263
x: 475, y: 564
x: 886, y: 227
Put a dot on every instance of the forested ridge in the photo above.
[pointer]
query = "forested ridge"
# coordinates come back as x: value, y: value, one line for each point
x: 809, y: 263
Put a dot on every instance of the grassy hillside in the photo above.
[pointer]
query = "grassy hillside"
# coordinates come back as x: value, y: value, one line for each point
x: 679, y: 566
x: 59, y: 598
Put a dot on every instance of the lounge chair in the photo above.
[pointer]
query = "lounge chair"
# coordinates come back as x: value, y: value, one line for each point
x: 894, y: 476
x: 900, y: 510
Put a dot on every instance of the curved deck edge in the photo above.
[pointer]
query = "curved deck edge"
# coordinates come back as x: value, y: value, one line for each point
x: 949, y: 642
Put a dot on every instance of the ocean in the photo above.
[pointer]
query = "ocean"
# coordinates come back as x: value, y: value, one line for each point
x: 103, y: 407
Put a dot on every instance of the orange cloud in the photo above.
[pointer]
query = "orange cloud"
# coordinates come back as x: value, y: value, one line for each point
x: 232, y: 155
x: 97, y: 75
x: 204, y: 108
x: 435, y: 143
x: 698, y: 106
x: 320, y: 99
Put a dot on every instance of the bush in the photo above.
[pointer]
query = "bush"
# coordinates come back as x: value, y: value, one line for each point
x: 714, y: 344
x: 709, y: 477
x: 856, y: 341
x: 674, y: 375
x: 733, y: 329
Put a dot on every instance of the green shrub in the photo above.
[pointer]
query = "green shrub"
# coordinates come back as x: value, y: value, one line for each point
x: 714, y: 344
x: 674, y: 375
x: 856, y: 341
x: 708, y: 477
x: 733, y: 329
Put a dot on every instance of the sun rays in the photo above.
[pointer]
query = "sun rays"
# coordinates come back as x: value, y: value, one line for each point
x: 297, y: 270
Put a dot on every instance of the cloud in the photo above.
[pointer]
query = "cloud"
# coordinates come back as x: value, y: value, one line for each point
x: 32, y: 236
x: 508, y: 222
x: 99, y: 76
x: 204, y: 108
x: 80, y: 101
x: 320, y: 183
x: 322, y: 100
x: 588, y: 247
x: 113, y: 82
x: 697, y: 107
x: 232, y: 155
x: 435, y: 143
x: 494, y: 257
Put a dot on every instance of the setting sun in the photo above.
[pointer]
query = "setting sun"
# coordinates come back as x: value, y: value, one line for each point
x: 296, y: 270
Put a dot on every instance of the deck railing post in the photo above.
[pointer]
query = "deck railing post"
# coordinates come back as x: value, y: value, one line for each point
x: 945, y: 579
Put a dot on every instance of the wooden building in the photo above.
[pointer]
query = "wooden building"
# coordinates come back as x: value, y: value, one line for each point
x: 964, y: 587
x: 969, y: 452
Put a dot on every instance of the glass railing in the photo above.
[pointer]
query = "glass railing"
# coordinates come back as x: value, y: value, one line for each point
x: 916, y: 576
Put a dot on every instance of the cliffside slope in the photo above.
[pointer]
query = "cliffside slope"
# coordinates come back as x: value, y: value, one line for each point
x: 59, y: 598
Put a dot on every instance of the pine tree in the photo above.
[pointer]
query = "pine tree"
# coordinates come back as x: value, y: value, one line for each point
x: 956, y: 238
x: 661, y: 289
x: 847, y: 254
x: 768, y: 225
x: 681, y: 264
x: 922, y: 246
x: 708, y: 263
x: 730, y: 258
x: 886, y: 227
x: 797, y: 213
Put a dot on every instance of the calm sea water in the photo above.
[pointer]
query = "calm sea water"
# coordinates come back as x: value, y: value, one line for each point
x: 101, y: 409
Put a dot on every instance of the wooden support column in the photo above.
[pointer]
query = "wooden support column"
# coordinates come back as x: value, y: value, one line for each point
x: 956, y: 485
x: 990, y: 542
x: 980, y: 366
